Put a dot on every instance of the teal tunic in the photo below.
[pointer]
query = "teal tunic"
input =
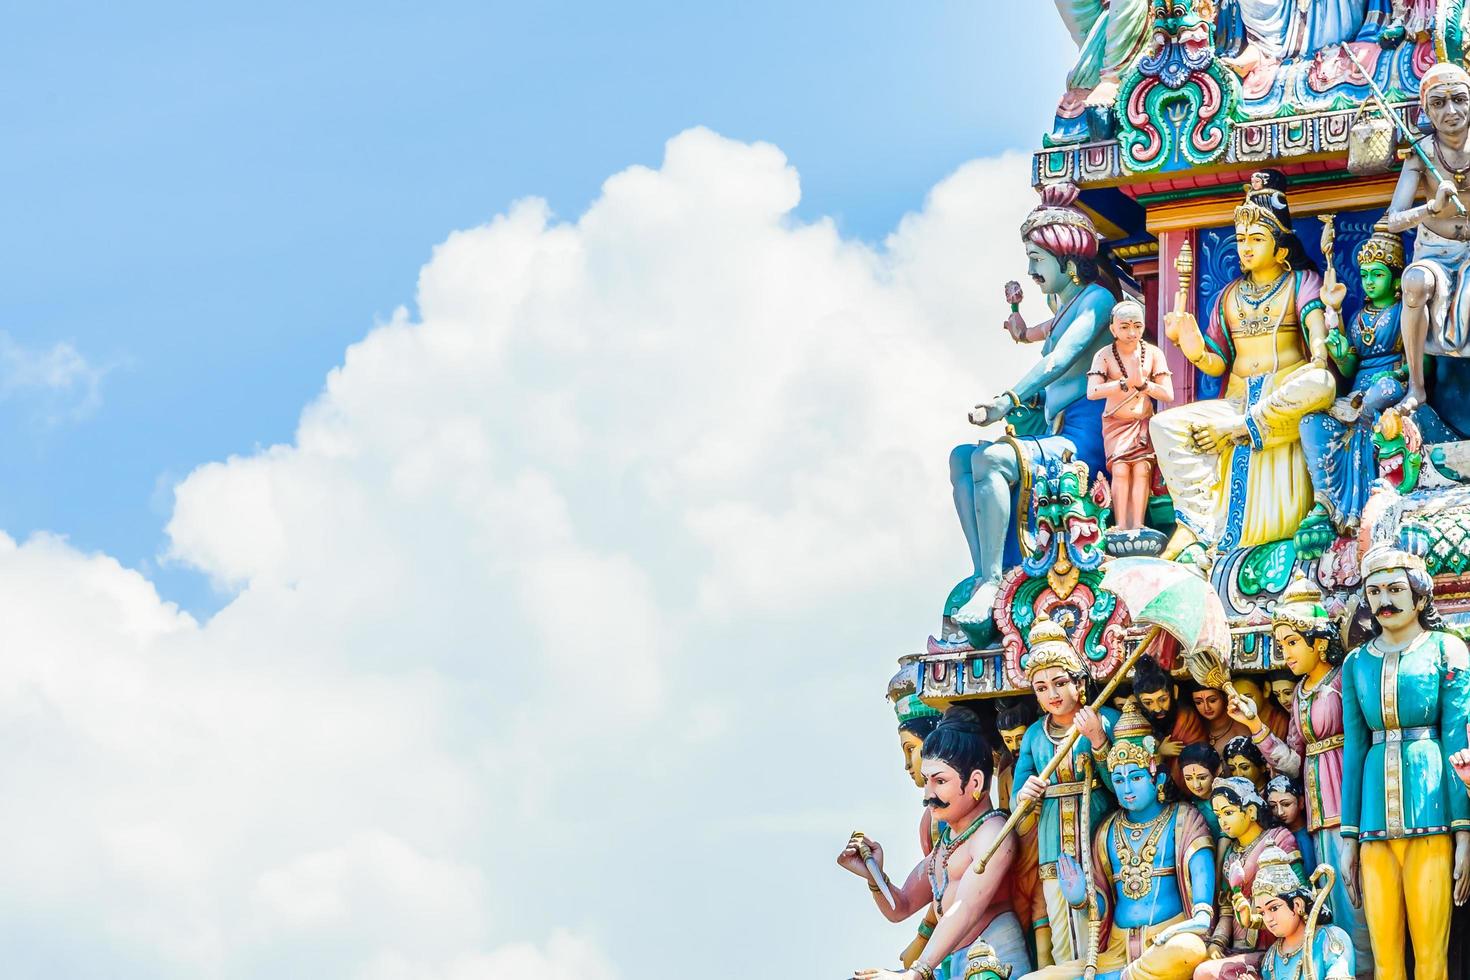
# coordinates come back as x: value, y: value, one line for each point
x: 1059, y: 826
x: 1404, y: 715
x: 1332, y: 958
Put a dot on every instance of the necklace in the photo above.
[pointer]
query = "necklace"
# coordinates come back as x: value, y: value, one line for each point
x: 1459, y: 172
x: 1142, y: 368
x: 1136, y: 867
x: 1368, y: 324
x: 1255, y: 310
x: 1287, y: 965
x: 1256, y: 295
x: 939, y: 859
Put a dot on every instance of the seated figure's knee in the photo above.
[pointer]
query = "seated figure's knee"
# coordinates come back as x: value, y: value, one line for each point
x: 992, y: 457
x: 959, y: 462
x: 1418, y: 286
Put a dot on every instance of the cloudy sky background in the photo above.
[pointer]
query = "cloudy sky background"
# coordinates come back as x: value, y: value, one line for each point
x: 470, y: 474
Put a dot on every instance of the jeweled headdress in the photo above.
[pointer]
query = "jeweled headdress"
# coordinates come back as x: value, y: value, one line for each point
x: 1264, y: 206
x: 1243, y: 788
x: 1133, y: 739
x: 982, y: 963
x: 1047, y: 646
x: 910, y: 708
x: 1383, y: 246
x: 1300, y: 606
x: 1274, y: 875
x: 1383, y: 558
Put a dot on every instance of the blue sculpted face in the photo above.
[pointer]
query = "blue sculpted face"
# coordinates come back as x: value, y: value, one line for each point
x: 1135, y: 787
x: 1046, y: 270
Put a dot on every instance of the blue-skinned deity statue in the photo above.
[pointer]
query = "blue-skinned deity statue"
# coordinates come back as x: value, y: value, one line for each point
x: 1062, y: 252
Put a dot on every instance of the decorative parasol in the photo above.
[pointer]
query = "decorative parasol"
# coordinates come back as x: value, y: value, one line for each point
x: 1170, y: 596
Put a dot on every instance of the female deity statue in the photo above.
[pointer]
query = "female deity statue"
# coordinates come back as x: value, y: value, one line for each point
x: 1317, y: 950
x: 1063, y: 259
x: 1235, y: 465
x: 1243, y: 759
x: 1253, y: 688
x: 1370, y: 352
x: 1312, y: 751
x: 1284, y: 797
x: 1200, y: 765
x: 1239, y: 938
x: 1153, y: 868
x: 1406, y: 697
x: 1220, y: 728
x: 1073, y: 801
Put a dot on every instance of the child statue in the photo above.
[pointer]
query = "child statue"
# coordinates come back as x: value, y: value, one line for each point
x: 956, y: 767
x: 1315, y: 950
x: 1200, y: 765
x: 1239, y: 938
x: 1070, y: 809
x: 1128, y: 376
x: 1406, y: 697
x: 1370, y: 352
x: 1306, y: 636
x: 1244, y: 760
x: 1153, y: 867
x: 1284, y: 797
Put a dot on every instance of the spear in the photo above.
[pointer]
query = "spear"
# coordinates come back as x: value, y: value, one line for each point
x: 1382, y: 99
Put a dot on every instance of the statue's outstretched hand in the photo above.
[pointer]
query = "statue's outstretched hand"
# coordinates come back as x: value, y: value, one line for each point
x: 1070, y: 880
x: 991, y: 412
x: 1243, y: 711
x: 851, y: 857
x: 1445, y: 199
x: 1033, y: 789
x: 1016, y: 326
x: 1333, y: 294
x: 1183, y: 329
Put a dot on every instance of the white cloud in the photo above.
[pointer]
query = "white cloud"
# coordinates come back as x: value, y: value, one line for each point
x: 607, y: 548
x: 60, y: 384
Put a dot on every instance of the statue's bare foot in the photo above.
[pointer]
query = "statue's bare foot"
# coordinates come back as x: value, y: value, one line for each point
x: 979, y: 608
x: 1347, y: 410
x: 1104, y: 95
x: 1216, y: 437
x: 1412, y: 399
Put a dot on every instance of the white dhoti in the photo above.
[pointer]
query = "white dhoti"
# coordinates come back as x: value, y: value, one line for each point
x: 1447, y: 262
x: 1248, y: 494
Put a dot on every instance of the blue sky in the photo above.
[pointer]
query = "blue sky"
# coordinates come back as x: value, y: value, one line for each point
x: 210, y: 203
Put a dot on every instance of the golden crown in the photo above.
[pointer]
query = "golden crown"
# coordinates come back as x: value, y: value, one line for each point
x: 1257, y: 211
x: 1133, y: 739
x: 982, y: 962
x: 1049, y: 646
x: 1383, y: 246
x: 1300, y: 606
x: 1274, y: 875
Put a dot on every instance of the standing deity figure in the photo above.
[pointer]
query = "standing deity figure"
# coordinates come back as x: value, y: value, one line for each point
x: 972, y: 910
x: 1153, y: 868
x: 916, y: 720
x: 1369, y: 350
x: 1073, y: 801
x: 1175, y: 722
x: 1026, y: 894
x: 1307, y: 944
x: 1109, y: 35
x: 1128, y: 376
x: 1235, y: 465
x: 1239, y: 937
x: 1406, y: 696
x: 1312, y: 750
x: 1062, y: 256
x: 1436, y: 314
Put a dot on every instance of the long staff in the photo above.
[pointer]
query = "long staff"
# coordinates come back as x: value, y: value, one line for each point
x: 1323, y: 871
x: 1064, y: 749
x: 1382, y: 99
x: 1094, y: 912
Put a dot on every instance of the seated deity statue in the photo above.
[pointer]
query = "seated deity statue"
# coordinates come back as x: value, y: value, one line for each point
x: 1063, y: 259
x: 1109, y: 35
x: 1436, y: 285
x: 1257, y: 35
x: 1307, y: 944
x: 1234, y: 465
x: 1152, y: 872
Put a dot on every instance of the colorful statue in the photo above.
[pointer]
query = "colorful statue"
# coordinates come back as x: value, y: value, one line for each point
x: 1175, y: 722
x: 1312, y: 751
x: 1128, y: 376
x: 1200, y: 764
x: 1284, y: 797
x: 1027, y: 898
x: 1239, y: 938
x: 1436, y: 317
x: 1072, y: 802
x: 956, y: 767
x: 1370, y: 352
x: 1154, y: 871
x: 1308, y: 946
x: 1062, y: 252
x: 916, y: 720
x: 1281, y: 685
x: 1406, y: 697
x: 1109, y: 36
x: 1234, y: 465
x: 1220, y: 728
x: 1243, y: 760
x: 1258, y: 35
x: 1253, y: 689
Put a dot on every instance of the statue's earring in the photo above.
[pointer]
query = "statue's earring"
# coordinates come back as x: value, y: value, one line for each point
x: 977, y: 796
x: 1076, y: 279
x: 1161, y: 792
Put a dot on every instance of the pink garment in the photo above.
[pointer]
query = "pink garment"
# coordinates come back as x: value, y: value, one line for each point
x: 1316, y: 721
x: 1126, y: 413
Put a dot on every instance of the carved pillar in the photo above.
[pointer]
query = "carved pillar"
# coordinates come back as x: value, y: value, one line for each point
x: 1169, y: 244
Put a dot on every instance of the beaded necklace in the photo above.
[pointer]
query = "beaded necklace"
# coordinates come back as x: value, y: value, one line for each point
x: 1135, y: 868
x: 939, y: 858
x: 1142, y: 366
x: 1368, y: 324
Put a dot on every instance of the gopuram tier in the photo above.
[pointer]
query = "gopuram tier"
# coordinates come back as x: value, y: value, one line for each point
x: 1252, y: 231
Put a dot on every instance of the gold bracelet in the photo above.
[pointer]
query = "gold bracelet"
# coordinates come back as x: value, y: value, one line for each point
x: 1016, y: 401
x: 924, y: 970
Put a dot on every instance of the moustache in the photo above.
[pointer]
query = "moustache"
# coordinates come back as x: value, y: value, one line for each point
x: 935, y: 803
x: 1388, y: 609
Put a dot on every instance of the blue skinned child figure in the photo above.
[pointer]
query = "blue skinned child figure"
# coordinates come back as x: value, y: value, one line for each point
x: 1152, y: 871
x: 1368, y: 350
